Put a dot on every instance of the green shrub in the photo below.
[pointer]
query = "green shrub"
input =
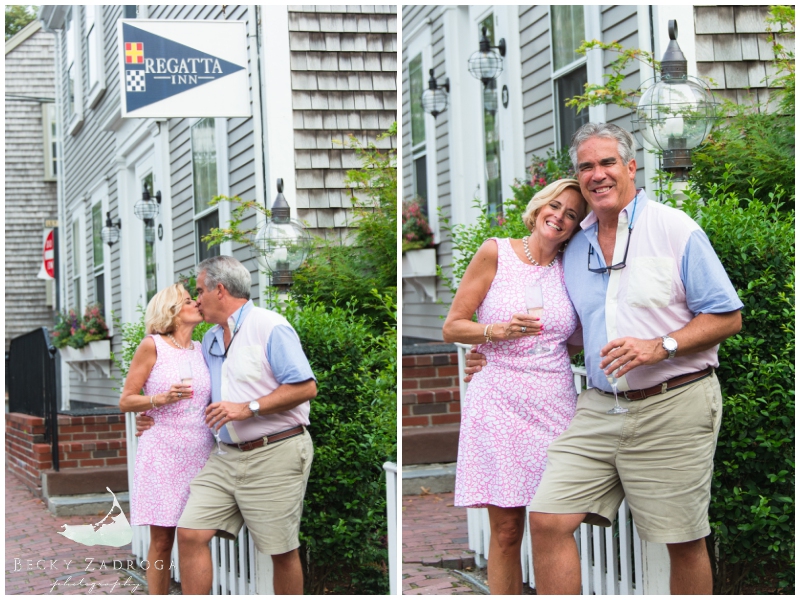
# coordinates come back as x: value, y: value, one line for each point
x: 752, y: 498
x: 353, y: 425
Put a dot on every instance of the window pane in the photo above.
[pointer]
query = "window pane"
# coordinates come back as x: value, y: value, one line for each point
x: 569, y: 119
x: 567, y: 33
x: 100, y: 292
x: 491, y: 135
x: 204, y: 164
x: 415, y: 77
x: 149, y: 266
x: 91, y: 55
x: 421, y: 182
x: 97, y: 240
x: 203, y: 227
x: 76, y: 265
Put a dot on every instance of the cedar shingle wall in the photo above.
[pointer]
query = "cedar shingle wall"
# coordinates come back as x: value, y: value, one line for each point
x: 733, y: 53
x: 344, y: 81
x: 30, y: 71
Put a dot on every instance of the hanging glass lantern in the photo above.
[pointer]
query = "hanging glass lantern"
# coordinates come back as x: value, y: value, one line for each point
x: 110, y: 233
x: 485, y: 64
x: 146, y: 208
x: 434, y: 99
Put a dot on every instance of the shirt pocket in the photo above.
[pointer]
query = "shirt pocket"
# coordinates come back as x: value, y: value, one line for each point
x: 247, y: 364
x: 650, y: 281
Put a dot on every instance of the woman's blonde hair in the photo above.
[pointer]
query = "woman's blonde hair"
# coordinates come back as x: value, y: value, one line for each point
x: 163, y: 309
x: 547, y: 193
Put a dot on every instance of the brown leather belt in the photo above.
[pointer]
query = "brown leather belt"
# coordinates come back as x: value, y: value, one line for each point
x: 661, y: 388
x: 268, y: 439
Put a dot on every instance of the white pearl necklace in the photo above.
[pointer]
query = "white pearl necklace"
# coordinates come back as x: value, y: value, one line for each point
x: 530, y: 258
x: 177, y: 344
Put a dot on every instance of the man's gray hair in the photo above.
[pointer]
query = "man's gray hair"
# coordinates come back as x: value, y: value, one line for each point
x: 626, y: 145
x: 228, y: 271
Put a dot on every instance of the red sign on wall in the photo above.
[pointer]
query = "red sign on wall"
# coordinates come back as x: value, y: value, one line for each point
x: 47, y: 270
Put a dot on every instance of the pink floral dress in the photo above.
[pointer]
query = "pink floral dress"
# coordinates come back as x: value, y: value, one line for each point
x: 519, y: 402
x: 177, y: 446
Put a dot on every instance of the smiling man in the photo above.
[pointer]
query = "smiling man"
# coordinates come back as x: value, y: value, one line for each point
x: 655, y: 303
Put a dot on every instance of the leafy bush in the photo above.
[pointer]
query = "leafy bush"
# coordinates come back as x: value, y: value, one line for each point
x: 752, y: 498
x: 337, y: 272
x: 353, y: 424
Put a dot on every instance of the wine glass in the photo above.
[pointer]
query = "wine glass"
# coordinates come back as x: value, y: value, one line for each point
x: 219, y: 451
x: 534, y: 302
x: 616, y: 409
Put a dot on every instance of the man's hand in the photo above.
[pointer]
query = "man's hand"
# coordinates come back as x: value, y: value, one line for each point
x: 475, y: 361
x: 143, y: 423
x: 219, y: 413
x: 625, y: 354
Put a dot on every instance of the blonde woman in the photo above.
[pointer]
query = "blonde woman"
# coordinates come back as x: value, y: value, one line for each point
x: 524, y: 397
x: 176, y: 447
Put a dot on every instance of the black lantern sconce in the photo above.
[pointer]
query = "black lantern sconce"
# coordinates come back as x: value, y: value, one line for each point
x: 434, y: 99
x: 146, y: 209
x: 110, y: 233
x: 676, y: 111
x: 486, y: 64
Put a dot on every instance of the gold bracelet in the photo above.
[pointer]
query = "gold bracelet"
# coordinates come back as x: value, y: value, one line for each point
x: 491, y: 328
x: 485, y: 336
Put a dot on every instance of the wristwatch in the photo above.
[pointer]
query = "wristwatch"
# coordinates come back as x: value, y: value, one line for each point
x: 670, y: 345
x: 254, y: 406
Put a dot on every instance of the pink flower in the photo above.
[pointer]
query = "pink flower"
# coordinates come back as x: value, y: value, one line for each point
x: 542, y: 181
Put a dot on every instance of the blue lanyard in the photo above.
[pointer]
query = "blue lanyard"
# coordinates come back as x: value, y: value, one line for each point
x: 235, y: 331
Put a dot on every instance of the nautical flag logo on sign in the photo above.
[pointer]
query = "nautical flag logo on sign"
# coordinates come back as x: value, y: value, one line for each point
x: 184, y: 68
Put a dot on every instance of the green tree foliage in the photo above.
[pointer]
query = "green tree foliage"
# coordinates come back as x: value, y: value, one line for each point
x: 17, y: 17
x: 752, y: 498
x: 339, y: 272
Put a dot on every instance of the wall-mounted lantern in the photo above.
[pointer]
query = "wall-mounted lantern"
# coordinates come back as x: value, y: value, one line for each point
x: 486, y: 64
x: 110, y: 233
x: 282, y: 244
x: 676, y: 112
x: 146, y: 209
x: 434, y: 99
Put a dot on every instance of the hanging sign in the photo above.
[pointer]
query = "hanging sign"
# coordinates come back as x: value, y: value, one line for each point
x: 183, y: 68
x: 47, y: 268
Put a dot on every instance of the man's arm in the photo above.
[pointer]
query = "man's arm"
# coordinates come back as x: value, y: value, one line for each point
x: 701, y: 333
x: 284, y: 398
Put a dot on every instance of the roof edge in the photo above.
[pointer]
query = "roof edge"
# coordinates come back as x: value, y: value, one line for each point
x: 23, y: 34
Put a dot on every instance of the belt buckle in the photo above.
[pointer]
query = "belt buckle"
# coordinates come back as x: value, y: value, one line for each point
x: 664, y: 388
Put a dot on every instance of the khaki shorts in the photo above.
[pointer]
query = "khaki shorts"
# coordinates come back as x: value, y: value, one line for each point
x: 263, y: 488
x: 659, y: 456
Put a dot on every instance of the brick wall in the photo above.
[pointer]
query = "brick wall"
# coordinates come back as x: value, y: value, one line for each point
x: 430, y: 390
x: 97, y: 441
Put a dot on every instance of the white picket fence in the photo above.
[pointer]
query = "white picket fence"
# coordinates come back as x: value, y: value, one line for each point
x: 238, y: 567
x: 391, y: 516
x: 614, y: 561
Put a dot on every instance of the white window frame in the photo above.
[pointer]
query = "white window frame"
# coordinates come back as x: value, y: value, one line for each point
x: 100, y: 195
x: 557, y: 74
x: 223, y: 187
x: 94, y: 50
x: 79, y: 216
x: 49, y: 116
x: 72, y: 33
x: 420, y: 43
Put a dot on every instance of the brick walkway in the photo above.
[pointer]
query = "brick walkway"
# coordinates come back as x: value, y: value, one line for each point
x: 32, y: 543
x: 435, y: 542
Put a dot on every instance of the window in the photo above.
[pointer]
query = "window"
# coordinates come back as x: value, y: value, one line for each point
x: 69, y: 34
x: 418, y: 146
x: 50, y: 137
x: 98, y: 257
x: 491, y: 134
x: 76, y: 265
x: 149, y: 245
x: 205, y: 184
x: 94, y: 53
x: 567, y: 31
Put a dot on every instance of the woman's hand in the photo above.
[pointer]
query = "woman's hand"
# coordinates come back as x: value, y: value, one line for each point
x: 521, y: 325
x: 176, y: 393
